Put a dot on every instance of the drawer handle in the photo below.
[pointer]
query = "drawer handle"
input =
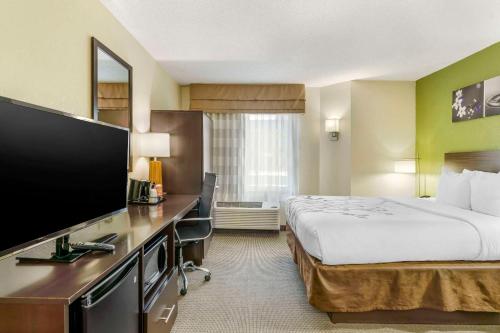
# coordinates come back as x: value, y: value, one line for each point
x: 171, y: 310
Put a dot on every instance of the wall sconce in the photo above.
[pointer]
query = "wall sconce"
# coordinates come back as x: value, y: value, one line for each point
x: 332, y: 127
x: 405, y: 166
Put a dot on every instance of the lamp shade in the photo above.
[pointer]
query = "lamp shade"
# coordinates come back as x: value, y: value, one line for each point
x: 152, y: 144
x: 405, y: 166
x: 331, y: 125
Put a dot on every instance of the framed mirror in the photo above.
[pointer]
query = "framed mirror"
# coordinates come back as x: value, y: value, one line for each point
x: 111, y: 89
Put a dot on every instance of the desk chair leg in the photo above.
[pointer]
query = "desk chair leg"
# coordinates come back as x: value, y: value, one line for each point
x: 190, y: 266
x: 185, y: 283
x: 180, y: 265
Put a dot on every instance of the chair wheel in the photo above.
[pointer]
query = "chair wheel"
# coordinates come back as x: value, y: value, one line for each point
x: 183, y: 291
x: 208, y: 277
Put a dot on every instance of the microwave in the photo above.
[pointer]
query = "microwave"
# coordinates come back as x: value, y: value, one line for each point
x: 155, y: 262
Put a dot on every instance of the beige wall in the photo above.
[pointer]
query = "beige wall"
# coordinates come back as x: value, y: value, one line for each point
x: 335, y: 156
x: 309, y: 148
x: 377, y: 127
x: 383, y: 130
x: 185, y: 97
x: 46, y: 58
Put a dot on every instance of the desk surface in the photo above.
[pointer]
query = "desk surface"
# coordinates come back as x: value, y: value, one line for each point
x: 63, y: 283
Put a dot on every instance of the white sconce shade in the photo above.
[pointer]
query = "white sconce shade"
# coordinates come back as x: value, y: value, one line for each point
x: 405, y: 166
x: 332, y: 125
x: 152, y: 144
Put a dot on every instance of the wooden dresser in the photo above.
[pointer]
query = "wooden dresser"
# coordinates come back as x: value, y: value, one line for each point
x: 190, y: 157
x: 37, y: 297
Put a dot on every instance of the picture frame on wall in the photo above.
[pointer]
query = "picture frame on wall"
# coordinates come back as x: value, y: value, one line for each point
x: 492, y: 97
x: 468, y: 102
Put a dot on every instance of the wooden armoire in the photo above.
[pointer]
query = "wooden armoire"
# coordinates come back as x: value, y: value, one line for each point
x: 190, y: 157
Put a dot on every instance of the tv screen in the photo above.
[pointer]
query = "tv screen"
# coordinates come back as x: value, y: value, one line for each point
x: 56, y: 172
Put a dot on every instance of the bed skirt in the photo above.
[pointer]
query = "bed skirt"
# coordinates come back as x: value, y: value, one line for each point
x: 443, y: 286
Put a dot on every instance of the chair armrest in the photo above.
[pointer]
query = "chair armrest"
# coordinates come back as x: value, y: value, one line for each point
x: 206, y: 221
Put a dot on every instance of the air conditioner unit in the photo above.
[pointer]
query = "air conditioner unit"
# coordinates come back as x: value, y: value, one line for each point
x: 247, y: 215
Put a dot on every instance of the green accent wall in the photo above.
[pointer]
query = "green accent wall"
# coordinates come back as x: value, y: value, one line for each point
x: 436, y: 134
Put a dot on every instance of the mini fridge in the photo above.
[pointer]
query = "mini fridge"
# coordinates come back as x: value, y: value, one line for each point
x: 113, y: 304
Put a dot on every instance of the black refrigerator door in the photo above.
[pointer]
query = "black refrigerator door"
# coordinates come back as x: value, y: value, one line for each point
x: 113, y: 305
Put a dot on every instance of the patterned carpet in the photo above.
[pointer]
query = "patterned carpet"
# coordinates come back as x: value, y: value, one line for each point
x: 255, y: 287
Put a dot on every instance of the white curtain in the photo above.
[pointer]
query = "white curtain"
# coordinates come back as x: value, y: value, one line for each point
x: 256, y: 156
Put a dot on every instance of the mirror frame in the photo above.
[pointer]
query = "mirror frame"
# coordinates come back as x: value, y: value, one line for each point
x: 96, y: 45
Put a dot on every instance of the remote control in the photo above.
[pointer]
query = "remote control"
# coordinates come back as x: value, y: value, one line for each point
x: 106, y: 238
x: 93, y: 246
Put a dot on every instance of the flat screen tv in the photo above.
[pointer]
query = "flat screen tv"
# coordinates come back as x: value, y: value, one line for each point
x: 58, y: 173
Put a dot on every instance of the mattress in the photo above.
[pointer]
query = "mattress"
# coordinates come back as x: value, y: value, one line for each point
x: 358, y: 230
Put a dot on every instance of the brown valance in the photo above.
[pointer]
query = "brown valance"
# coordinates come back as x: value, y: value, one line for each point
x: 112, y: 96
x: 248, y: 98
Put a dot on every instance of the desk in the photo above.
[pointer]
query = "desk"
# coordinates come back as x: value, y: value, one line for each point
x: 36, y: 297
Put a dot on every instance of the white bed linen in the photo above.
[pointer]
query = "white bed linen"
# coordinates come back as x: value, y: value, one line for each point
x: 357, y: 230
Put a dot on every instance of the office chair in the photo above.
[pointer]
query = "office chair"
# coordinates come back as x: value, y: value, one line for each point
x: 191, y: 230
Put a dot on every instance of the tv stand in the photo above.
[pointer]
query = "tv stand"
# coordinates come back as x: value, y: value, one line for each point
x: 63, y: 252
x: 47, y: 297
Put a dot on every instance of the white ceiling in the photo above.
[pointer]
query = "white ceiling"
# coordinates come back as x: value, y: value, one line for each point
x: 316, y: 42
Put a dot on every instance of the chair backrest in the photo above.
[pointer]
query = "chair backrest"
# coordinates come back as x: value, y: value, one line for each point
x: 207, y: 195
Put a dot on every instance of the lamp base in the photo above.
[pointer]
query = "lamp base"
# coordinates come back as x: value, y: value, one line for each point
x: 155, y: 172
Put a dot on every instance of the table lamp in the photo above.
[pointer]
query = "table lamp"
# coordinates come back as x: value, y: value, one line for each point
x: 405, y: 166
x: 153, y: 145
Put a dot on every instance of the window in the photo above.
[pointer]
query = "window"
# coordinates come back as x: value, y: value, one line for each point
x: 270, y: 157
x: 256, y: 156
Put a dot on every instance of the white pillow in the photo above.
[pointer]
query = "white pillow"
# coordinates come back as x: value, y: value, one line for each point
x: 485, y: 193
x: 454, y: 189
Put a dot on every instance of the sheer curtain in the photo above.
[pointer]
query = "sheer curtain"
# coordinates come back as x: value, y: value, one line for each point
x: 271, y: 145
x: 228, y: 154
x: 256, y: 156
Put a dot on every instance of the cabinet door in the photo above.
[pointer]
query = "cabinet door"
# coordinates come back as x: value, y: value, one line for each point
x: 113, y: 304
x: 161, y: 313
x: 182, y: 172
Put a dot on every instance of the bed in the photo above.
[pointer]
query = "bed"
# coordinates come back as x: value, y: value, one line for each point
x: 428, y: 263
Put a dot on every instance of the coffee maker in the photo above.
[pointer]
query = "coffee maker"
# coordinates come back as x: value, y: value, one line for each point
x: 139, y: 191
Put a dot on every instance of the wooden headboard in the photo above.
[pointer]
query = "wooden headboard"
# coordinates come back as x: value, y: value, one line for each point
x: 488, y: 161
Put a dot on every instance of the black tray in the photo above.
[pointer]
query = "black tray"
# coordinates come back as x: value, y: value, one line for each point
x: 146, y: 203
